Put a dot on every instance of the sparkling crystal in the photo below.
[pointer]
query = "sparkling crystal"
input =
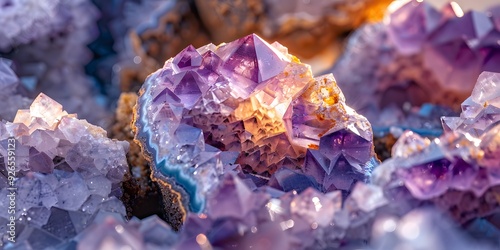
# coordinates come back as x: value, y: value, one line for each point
x: 462, y: 160
x: 59, y: 182
x: 250, y: 97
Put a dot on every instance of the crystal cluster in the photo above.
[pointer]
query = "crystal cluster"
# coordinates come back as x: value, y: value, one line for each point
x: 263, y: 218
x: 417, y: 55
x: 66, y: 171
x: 49, y: 49
x: 464, y: 159
x: 241, y: 216
x: 251, y: 103
x: 240, y: 146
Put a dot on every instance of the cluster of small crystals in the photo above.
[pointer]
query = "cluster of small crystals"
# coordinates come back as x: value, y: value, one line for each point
x: 417, y: 55
x: 465, y: 158
x: 50, y: 51
x: 9, y: 93
x: 241, y: 216
x: 258, y: 105
x: 65, y: 171
x: 265, y: 218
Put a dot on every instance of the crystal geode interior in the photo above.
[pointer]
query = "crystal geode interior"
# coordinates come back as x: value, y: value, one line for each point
x: 250, y: 103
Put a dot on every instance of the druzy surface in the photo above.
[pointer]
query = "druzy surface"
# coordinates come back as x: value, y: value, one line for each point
x: 66, y: 171
x: 250, y: 103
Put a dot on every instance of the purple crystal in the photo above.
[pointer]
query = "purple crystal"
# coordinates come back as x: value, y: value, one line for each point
x: 462, y: 159
x: 189, y: 58
x: 252, y: 98
x: 409, y: 26
x: 481, y: 109
x: 289, y: 220
x: 418, y: 55
x: 428, y: 180
x: 66, y: 169
x: 111, y: 234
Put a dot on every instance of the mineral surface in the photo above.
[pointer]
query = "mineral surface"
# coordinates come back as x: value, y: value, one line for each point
x: 251, y: 103
x: 61, y: 171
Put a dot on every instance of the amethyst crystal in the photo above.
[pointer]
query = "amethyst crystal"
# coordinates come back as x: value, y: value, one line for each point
x: 417, y: 55
x: 465, y: 158
x: 254, y: 99
x: 65, y: 170
x: 240, y: 217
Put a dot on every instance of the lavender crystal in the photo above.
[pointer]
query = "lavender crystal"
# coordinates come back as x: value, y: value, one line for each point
x: 252, y: 98
x: 66, y: 170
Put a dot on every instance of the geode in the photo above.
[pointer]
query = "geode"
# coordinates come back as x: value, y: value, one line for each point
x: 251, y: 103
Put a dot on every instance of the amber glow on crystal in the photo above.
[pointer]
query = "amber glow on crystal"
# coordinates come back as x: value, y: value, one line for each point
x: 43, y: 112
x: 246, y: 102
